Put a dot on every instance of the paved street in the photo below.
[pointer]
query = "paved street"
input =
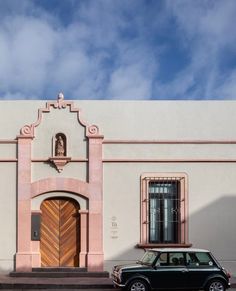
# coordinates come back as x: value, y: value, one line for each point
x: 231, y: 289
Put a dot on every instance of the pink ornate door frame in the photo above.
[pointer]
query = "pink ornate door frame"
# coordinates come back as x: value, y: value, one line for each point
x: 28, y: 255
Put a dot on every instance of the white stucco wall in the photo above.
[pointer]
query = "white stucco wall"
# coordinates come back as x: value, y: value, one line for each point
x: 136, y: 119
x: 212, y: 199
x: 212, y: 193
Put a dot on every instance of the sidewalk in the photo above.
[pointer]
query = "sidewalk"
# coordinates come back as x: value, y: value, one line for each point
x: 7, y: 282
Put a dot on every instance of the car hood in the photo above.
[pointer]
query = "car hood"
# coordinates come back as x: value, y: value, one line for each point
x: 130, y: 267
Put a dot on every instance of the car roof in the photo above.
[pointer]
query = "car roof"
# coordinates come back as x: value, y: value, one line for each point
x: 179, y: 250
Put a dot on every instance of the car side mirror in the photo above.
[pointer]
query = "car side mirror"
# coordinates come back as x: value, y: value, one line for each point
x: 156, y: 266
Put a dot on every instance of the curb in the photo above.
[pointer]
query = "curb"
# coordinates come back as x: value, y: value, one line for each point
x: 53, y: 286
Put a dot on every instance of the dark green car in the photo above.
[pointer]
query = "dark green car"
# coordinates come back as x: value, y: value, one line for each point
x: 172, y: 269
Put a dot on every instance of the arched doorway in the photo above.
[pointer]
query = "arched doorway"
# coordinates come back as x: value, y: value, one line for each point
x: 60, y: 233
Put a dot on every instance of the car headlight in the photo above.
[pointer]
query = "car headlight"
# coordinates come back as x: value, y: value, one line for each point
x: 120, y: 274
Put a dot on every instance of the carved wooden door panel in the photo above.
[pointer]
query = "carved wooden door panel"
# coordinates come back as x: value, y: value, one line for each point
x: 59, y: 243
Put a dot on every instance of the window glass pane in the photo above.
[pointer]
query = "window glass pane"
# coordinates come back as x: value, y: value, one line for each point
x: 154, y: 215
x: 168, y: 220
x: 163, y: 211
x: 162, y: 260
x: 176, y: 259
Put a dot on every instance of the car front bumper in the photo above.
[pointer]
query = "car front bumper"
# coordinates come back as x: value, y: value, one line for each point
x: 116, y: 281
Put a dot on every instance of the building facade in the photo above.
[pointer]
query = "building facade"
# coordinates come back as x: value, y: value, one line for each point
x: 94, y: 183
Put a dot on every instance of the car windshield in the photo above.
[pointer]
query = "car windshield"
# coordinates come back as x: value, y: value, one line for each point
x: 148, y: 258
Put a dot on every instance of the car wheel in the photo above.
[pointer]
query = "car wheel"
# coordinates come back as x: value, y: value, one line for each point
x: 138, y: 285
x: 215, y: 285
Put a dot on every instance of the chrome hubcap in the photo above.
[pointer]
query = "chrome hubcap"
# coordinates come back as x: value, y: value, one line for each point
x: 138, y: 286
x: 216, y: 286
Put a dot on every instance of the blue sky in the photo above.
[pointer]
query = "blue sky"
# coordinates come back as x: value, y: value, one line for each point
x: 118, y: 49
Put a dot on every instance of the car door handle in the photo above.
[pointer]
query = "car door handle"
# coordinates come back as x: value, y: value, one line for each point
x: 184, y: 271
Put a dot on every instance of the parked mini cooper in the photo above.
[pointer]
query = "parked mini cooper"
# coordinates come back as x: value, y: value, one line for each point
x: 173, y: 269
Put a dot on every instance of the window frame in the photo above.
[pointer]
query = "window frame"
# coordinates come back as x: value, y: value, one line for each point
x: 146, y: 178
x: 164, y: 192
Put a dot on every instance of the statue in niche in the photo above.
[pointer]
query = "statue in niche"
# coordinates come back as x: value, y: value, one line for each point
x: 60, y: 145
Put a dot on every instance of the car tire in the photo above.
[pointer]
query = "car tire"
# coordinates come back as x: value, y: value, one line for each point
x: 138, y: 285
x: 215, y: 285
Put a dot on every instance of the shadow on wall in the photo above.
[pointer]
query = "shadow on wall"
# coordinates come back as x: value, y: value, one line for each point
x: 213, y: 227
x: 5, y: 271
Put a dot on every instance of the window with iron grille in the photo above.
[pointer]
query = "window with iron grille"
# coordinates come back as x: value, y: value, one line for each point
x: 164, y: 209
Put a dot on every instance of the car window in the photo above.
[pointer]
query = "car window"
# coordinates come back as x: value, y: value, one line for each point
x: 162, y: 260
x: 199, y: 259
x: 149, y: 258
x: 176, y: 259
x: 170, y: 259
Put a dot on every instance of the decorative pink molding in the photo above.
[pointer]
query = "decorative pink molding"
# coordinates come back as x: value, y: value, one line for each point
x: 28, y: 253
x: 93, y: 131
x: 133, y: 141
x: 60, y: 184
x: 27, y: 131
x: 59, y: 162
x: 60, y: 103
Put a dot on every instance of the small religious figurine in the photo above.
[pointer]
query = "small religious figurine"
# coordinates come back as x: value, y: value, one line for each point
x: 60, y: 96
x: 59, y: 146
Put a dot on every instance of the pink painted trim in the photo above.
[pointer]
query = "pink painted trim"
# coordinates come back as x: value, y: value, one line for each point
x: 139, y: 160
x: 8, y: 160
x: 123, y: 141
x: 169, y: 160
x: 60, y: 184
x: 71, y: 161
x: 8, y: 141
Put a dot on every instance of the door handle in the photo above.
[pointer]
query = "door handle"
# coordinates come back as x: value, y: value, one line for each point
x: 184, y: 271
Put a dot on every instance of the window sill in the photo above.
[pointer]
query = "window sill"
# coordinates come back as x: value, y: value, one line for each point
x: 149, y: 246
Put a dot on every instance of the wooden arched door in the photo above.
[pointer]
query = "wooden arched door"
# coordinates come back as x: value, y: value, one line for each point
x: 60, y: 239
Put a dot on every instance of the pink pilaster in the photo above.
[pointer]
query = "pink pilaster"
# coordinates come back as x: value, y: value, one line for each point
x: 95, y: 248
x: 84, y: 236
x: 24, y: 253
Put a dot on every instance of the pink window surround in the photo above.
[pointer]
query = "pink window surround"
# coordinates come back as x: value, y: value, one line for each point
x: 28, y: 252
x: 144, y: 229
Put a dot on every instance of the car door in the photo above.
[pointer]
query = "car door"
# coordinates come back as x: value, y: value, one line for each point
x: 200, y: 266
x: 170, y: 271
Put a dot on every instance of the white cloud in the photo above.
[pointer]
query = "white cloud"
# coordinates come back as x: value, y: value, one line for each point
x: 227, y: 89
x: 128, y: 82
x: 37, y: 55
x: 111, y: 49
x: 206, y: 30
x: 27, y: 47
